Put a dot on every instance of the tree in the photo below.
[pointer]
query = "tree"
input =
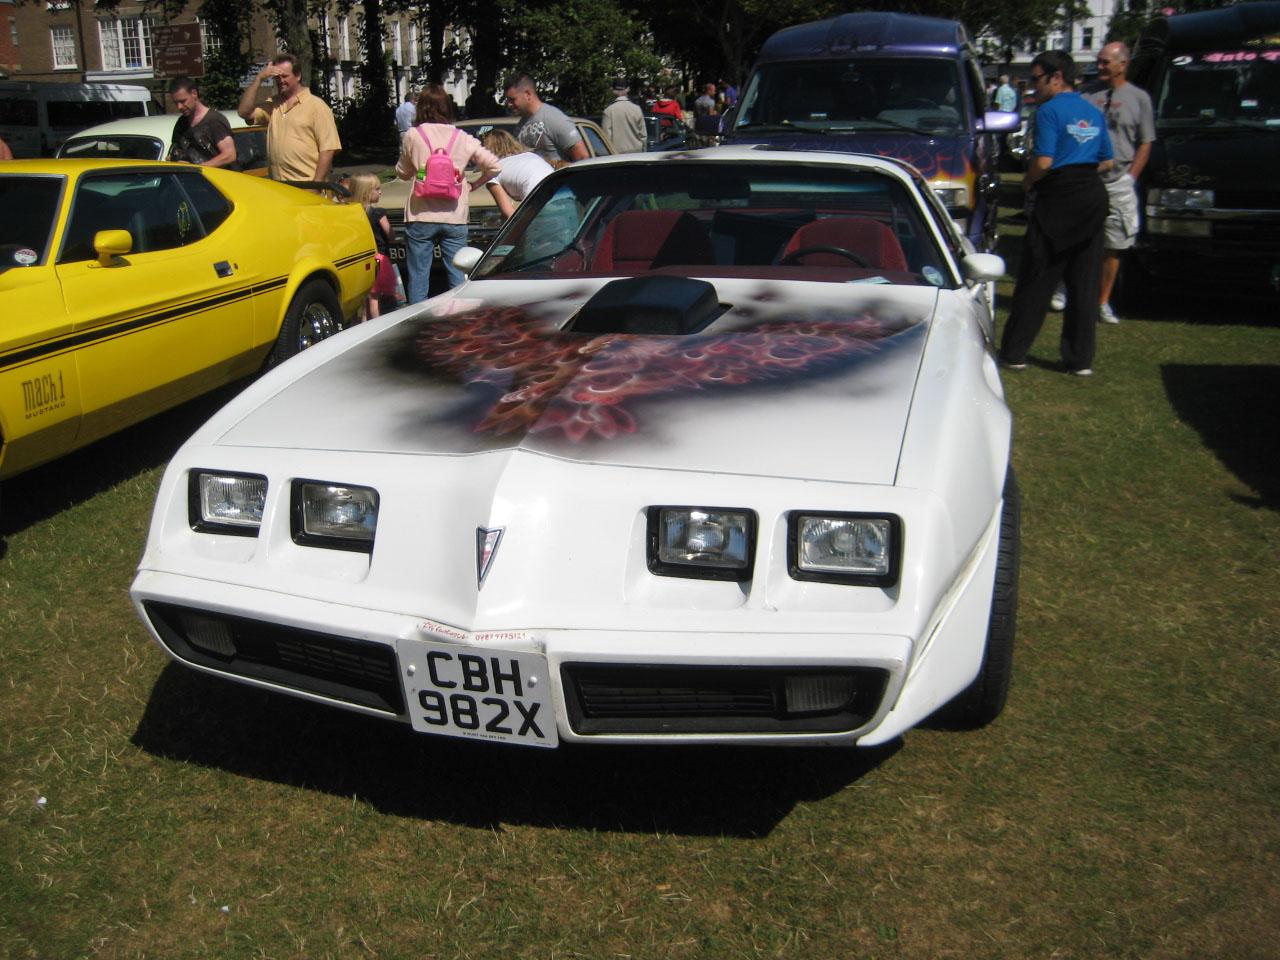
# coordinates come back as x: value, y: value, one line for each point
x: 224, y: 70
x: 575, y: 48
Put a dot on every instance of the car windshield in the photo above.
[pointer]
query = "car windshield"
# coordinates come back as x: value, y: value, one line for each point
x: 30, y: 207
x: 787, y: 220
x: 1223, y: 86
x: 116, y: 147
x: 918, y: 94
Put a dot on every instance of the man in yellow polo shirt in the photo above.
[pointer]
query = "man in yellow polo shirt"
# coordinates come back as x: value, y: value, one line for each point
x: 301, y: 135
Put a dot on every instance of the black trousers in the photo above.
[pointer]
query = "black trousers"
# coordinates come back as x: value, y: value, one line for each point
x: 1044, y: 266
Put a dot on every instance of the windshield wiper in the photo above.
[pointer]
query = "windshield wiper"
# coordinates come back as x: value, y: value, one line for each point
x: 786, y: 125
x: 896, y: 125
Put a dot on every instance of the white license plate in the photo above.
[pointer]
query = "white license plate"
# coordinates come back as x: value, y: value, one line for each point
x: 399, y: 253
x: 478, y: 693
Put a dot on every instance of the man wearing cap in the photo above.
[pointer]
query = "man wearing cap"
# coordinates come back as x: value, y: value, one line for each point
x: 623, y: 121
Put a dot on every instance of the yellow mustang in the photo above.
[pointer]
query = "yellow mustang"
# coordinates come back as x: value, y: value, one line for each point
x: 127, y: 288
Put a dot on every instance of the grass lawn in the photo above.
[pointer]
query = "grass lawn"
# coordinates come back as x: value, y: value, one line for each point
x: 1124, y: 806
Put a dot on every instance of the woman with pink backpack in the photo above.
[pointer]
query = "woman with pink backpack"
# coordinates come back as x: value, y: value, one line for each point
x: 434, y: 154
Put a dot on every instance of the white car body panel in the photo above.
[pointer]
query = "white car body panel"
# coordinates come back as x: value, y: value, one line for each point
x: 914, y: 426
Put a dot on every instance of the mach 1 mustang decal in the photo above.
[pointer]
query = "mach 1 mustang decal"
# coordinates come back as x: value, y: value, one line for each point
x: 580, y: 386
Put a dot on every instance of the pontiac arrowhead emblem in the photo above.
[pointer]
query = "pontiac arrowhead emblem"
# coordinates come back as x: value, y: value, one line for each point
x: 486, y: 549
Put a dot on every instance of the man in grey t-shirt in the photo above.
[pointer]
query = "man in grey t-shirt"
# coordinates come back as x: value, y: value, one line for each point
x: 544, y: 129
x: 1131, y: 123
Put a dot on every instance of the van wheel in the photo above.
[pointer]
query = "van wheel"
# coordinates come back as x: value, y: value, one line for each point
x: 314, y: 315
x: 983, y: 700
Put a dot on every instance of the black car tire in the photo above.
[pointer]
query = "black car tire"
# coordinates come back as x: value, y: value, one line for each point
x: 314, y: 315
x: 984, y: 699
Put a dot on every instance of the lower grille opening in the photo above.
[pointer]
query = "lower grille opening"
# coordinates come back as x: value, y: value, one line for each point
x: 641, y: 698
x: 342, y: 668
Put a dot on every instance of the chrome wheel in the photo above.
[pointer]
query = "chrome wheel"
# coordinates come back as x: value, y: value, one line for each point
x: 316, y: 324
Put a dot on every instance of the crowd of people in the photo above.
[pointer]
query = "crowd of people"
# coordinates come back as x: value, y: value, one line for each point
x: 1081, y: 204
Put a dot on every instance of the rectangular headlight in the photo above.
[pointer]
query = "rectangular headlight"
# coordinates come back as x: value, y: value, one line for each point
x: 952, y: 196
x: 845, y: 548
x: 711, y: 543
x: 1179, y: 197
x: 334, y: 515
x: 230, y: 503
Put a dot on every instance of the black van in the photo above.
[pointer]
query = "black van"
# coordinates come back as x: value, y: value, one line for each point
x: 1211, y: 187
x: 890, y: 84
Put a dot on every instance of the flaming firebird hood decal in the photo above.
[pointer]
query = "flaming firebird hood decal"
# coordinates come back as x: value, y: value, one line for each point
x: 577, y: 387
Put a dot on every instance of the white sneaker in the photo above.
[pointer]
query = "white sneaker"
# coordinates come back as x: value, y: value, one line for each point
x: 1083, y: 372
x: 1107, y: 315
x: 1059, y: 301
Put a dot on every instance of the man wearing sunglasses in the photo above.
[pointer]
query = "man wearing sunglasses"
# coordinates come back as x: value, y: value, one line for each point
x: 1066, y: 207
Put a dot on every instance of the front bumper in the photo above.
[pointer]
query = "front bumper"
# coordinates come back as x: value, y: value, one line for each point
x: 1239, y: 246
x: 606, y: 686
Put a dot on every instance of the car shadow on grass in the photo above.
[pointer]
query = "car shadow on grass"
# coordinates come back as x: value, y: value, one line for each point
x: 47, y: 490
x: 1235, y: 409
x: 697, y: 791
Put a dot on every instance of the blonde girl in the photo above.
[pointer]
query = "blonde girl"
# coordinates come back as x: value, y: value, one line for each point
x: 366, y: 190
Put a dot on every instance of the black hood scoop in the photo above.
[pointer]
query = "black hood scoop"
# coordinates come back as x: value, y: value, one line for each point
x: 653, y: 305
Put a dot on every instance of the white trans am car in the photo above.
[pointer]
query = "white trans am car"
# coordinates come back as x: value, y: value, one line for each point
x: 710, y: 448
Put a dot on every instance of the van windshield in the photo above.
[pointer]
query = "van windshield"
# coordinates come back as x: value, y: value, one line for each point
x: 918, y: 94
x: 1223, y: 86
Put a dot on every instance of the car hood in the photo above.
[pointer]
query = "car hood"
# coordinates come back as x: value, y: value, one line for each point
x: 1218, y: 156
x: 936, y: 157
x: 782, y: 384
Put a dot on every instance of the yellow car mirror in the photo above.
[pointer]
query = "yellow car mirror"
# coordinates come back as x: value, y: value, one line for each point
x: 110, y: 244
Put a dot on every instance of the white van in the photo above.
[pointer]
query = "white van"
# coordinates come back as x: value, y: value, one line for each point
x: 36, y: 117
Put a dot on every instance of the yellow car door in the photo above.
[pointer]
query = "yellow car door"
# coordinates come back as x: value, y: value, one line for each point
x: 39, y: 393
x: 170, y: 315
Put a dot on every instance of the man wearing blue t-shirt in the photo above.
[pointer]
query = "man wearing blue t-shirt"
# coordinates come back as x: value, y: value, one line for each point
x: 1066, y: 207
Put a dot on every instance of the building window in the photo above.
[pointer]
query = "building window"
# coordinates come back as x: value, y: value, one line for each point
x: 397, y: 48
x: 126, y: 44
x: 1086, y: 38
x: 344, y: 39
x: 209, y: 44
x: 64, y: 47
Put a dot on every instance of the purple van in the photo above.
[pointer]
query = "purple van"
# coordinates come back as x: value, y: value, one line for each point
x: 890, y: 84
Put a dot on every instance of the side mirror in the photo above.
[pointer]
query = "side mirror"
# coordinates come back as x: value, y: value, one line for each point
x: 982, y: 267
x: 109, y: 244
x: 997, y: 121
x: 467, y: 258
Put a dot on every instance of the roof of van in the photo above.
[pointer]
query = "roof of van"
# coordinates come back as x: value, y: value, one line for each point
x: 867, y: 34
x: 1226, y: 27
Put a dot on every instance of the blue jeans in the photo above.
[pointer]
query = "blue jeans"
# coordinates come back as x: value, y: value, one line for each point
x: 421, y: 237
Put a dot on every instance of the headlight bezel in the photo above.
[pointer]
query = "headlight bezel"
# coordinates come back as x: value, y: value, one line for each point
x: 1181, y: 198
x: 196, y: 514
x: 298, y: 523
x: 889, y: 578
x: 697, y: 571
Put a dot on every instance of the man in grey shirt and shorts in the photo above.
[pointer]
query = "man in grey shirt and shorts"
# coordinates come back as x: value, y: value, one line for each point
x: 1131, y: 123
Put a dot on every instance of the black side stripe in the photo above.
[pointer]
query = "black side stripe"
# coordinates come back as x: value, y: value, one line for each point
x: 71, y: 342
x: 348, y: 261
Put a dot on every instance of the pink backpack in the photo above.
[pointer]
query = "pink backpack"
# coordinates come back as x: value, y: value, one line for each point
x: 438, y: 179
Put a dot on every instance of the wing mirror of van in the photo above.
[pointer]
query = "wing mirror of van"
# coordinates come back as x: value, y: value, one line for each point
x: 997, y: 121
